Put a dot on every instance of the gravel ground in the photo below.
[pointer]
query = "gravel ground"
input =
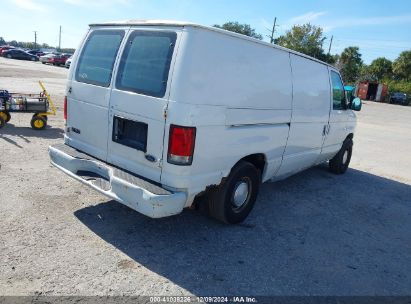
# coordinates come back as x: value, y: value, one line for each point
x: 312, y: 234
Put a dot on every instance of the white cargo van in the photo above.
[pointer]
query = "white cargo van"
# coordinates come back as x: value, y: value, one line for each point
x: 159, y: 113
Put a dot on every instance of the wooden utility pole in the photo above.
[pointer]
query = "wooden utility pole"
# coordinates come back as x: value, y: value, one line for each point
x: 273, y: 30
x: 60, y: 39
x: 35, y: 40
x: 331, y: 42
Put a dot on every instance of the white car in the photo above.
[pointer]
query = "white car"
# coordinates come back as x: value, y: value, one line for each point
x: 160, y: 113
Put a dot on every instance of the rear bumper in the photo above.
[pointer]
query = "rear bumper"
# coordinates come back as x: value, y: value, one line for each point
x: 137, y: 193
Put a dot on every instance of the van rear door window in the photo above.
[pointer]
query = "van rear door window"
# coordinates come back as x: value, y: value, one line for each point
x: 145, y: 63
x: 97, y: 57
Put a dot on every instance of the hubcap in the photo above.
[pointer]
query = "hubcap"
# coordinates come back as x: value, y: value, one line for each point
x: 38, y: 123
x: 345, y: 156
x: 240, y: 196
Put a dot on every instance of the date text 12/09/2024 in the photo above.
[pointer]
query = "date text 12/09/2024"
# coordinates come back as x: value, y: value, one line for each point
x: 188, y: 299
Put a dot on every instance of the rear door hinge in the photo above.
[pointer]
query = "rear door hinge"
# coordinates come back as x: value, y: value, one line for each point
x: 165, y: 112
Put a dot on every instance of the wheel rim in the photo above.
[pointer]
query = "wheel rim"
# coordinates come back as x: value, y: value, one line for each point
x: 38, y: 123
x: 345, y: 157
x: 241, y: 194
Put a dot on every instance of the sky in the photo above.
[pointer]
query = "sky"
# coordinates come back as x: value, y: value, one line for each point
x: 378, y: 27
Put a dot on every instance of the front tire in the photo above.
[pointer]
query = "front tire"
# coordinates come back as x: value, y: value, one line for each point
x: 234, y: 198
x: 340, y: 162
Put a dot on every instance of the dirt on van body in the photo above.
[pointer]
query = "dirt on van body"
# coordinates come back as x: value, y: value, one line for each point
x: 313, y: 234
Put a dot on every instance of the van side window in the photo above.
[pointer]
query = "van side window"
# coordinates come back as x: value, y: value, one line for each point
x: 339, y: 102
x: 145, y: 63
x: 97, y: 58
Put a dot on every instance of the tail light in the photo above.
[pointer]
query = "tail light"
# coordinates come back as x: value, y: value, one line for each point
x: 181, y: 145
x: 65, y: 107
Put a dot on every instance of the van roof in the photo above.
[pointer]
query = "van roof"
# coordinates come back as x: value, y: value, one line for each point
x: 214, y: 29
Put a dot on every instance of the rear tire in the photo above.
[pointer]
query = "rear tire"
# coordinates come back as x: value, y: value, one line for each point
x: 340, y: 162
x: 38, y: 123
x: 234, y: 198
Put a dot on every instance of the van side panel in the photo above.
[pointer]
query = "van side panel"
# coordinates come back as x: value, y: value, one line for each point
x: 217, y: 69
x: 238, y: 95
x: 311, y: 109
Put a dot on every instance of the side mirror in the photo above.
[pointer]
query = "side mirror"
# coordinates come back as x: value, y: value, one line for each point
x: 356, y: 104
x: 349, y: 97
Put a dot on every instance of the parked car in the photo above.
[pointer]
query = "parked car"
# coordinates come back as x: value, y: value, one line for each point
x: 44, y: 59
x: 399, y: 98
x: 66, y: 56
x: 5, y: 48
x: 36, y: 52
x: 54, y: 59
x: 68, y: 62
x: 155, y: 126
x: 19, y: 54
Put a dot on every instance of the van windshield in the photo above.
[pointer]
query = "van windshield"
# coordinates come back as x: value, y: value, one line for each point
x: 97, y: 57
x: 145, y: 62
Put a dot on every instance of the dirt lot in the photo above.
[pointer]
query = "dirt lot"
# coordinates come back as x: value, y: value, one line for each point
x: 312, y: 234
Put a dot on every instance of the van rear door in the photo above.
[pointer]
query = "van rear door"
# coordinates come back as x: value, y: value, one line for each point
x: 139, y: 100
x: 89, y: 91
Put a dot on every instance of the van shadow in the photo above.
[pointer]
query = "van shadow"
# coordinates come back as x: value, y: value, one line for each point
x: 10, y: 132
x: 312, y: 234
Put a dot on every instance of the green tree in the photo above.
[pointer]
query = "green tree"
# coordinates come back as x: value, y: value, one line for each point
x: 2, y: 41
x: 307, y: 39
x: 13, y: 43
x: 402, y: 66
x: 380, y: 68
x: 239, y: 28
x: 366, y: 74
x: 350, y: 64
